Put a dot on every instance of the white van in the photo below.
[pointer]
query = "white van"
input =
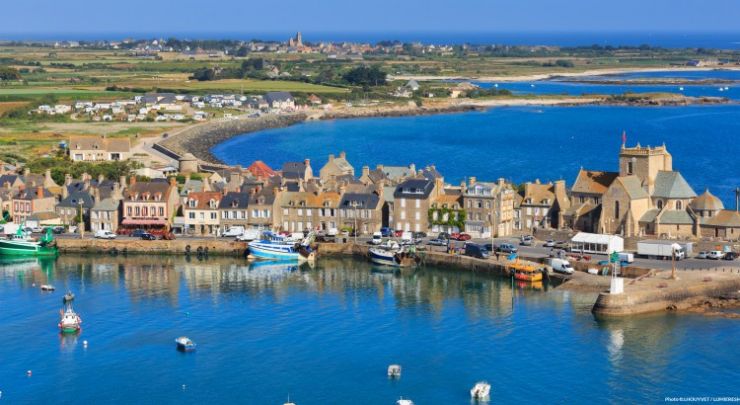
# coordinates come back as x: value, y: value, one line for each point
x: 625, y: 257
x: 235, y: 230
x: 249, y: 235
x: 377, y: 238
x: 561, y: 266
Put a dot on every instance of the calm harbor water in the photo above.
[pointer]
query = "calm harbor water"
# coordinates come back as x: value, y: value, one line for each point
x: 325, y: 335
x: 517, y: 143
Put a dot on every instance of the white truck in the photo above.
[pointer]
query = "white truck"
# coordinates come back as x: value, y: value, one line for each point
x: 662, y: 249
x: 233, y: 231
x: 560, y: 266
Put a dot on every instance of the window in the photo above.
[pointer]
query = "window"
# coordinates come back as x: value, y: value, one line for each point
x: 417, y: 216
x: 630, y: 167
x: 418, y: 203
x: 191, y: 215
x: 308, y: 212
x: 616, y: 209
x: 128, y: 211
x: 403, y: 214
x: 679, y: 205
x: 403, y: 202
x: 581, y: 199
x: 213, y: 215
x: 660, y: 204
x: 161, y: 211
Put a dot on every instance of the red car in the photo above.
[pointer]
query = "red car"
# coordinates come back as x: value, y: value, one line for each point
x: 398, y: 234
x: 460, y: 236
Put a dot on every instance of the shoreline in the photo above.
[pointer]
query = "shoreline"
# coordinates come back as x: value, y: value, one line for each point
x: 547, y: 76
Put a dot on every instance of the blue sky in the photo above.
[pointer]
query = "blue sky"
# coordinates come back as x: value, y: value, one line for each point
x: 34, y: 17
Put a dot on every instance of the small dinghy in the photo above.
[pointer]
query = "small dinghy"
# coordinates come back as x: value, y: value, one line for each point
x: 402, y: 401
x: 47, y: 287
x: 185, y: 344
x: 70, y: 322
x: 68, y: 297
x: 481, y: 391
x: 394, y: 371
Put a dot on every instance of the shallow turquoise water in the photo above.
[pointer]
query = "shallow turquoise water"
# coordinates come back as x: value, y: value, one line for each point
x: 517, y: 143
x: 326, y: 335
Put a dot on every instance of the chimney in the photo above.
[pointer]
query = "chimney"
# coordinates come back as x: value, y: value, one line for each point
x: 412, y: 168
x: 463, y: 186
x: 47, y: 178
x: 207, y: 184
x: 537, y: 181
x: 307, y: 162
x: 379, y: 167
x: 26, y: 171
x: 39, y: 191
x: 331, y: 157
x: 173, y: 180
x: 132, y: 180
x: 65, y: 192
x: 86, y: 183
x: 343, y: 154
x: 7, y: 185
x: 96, y: 194
x: 101, y: 179
x: 301, y: 187
x: 365, y: 171
x: 501, y: 181
x: 472, y: 180
x: 117, y: 193
x: 67, y: 179
x: 122, y: 181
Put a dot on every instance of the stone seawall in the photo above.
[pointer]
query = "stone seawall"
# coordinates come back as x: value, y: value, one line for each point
x: 153, y: 247
x: 199, y: 139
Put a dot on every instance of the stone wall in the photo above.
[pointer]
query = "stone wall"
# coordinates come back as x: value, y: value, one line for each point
x: 163, y: 247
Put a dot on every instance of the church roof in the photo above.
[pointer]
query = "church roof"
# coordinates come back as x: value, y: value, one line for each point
x: 707, y: 202
x: 672, y: 185
x: 677, y: 217
x: 594, y: 182
x: 633, y: 187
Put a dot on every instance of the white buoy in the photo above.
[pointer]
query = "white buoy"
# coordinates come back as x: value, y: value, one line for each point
x: 184, y: 386
x: 495, y: 85
x: 29, y: 373
x: 84, y: 343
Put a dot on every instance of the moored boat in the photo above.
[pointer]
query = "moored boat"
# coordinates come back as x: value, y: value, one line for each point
x: 21, y: 245
x: 274, y: 247
x: 525, y: 272
x: 394, y: 258
x: 70, y: 321
x: 185, y: 344
x: 47, y: 287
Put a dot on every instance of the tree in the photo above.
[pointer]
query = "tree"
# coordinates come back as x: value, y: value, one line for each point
x: 366, y: 76
x: 242, y: 51
x: 9, y: 73
x: 204, y: 74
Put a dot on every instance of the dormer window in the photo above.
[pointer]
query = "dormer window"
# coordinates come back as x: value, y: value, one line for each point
x: 679, y: 205
x: 234, y: 203
x: 192, y: 203
x: 261, y: 200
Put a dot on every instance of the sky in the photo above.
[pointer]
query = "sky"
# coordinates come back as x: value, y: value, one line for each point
x: 35, y: 18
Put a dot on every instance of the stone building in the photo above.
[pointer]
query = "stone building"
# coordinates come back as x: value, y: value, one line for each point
x: 586, y: 194
x: 98, y: 148
x: 336, y: 166
x: 361, y: 211
x: 201, y: 213
x: 412, y: 200
x: 32, y: 201
x: 149, y: 205
x: 542, y: 205
x: 234, y: 210
x: 489, y: 208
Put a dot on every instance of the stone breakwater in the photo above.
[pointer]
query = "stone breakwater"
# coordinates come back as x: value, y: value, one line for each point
x: 199, y: 139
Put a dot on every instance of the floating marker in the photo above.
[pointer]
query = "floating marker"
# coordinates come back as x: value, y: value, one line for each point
x: 28, y: 373
x: 84, y: 343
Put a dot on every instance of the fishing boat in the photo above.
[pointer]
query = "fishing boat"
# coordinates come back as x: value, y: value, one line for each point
x: 525, y: 271
x: 402, y: 401
x: 275, y: 247
x: 185, y: 344
x: 481, y: 391
x: 47, y: 287
x: 394, y: 371
x: 402, y: 257
x: 70, y: 322
x: 20, y: 244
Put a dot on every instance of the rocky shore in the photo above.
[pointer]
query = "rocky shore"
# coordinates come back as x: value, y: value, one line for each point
x: 199, y: 139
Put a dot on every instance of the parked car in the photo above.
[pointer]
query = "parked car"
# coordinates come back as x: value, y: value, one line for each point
x: 715, y: 255
x: 72, y: 229
x: 420, y: 235
x: 443, y: 235
x: 475, y: 250
x: 138, y: 232
x: 561, y: 244
x: 38, y: 229
x: 377, y: 238
x: 526, y: 240
x: 104, y: 234
x: 506, y: 248
x: 703, y: 255
x: 549, y: 243
x: 397, y: 234
x: 58, y: 230
x: 386, y: 232
x: 460, y: 236
x: 730, y: 256
x: 148, y: 236
x: 437, y: 242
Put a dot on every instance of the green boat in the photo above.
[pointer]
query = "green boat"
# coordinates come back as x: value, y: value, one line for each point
x: 20, y: 245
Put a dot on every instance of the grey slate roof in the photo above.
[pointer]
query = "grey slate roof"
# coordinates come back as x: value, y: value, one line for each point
x: 279, y: 96
x: 649, y: 215
x: 363, y: 200
x: 672, y: 185
x: 74, y: 199
x: 419, y: 189
x: 294, y: 170
x: 633, y: 187
x: 676, y: 217
x: 106, y: 204
x: 234, y: 200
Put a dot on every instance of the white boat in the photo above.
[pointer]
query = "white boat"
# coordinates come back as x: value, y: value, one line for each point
x: 47, y: 287
x: 393, y: 257
x: 70, y: 322
x: 402, y: 401
x: 481, y: 391
x: 394, y: 371
x: 185, y: 344
x: 680, y: 88
x: 275, y: 247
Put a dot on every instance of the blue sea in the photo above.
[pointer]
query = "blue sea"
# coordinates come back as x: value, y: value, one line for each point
x: 268, y: 332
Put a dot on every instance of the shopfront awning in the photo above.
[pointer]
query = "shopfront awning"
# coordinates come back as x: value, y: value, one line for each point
x: 151, y: 222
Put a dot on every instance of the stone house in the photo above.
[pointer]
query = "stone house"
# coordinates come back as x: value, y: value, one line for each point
x: 308, y: 210
x: 446, y: 213
x: 411, y: 202
x: 104, y: 215
x: 149, y: 205
x: 541, y: 205
x: 489, y: 208
x: 586, y: 194
x: 336, y: 166
x: 69, y: 208
x: 31, y: 201
x: 294, y: 171
x: 234, y: 210
x: 362, y: 211
x: 201, y: 213
x: 98, y: 148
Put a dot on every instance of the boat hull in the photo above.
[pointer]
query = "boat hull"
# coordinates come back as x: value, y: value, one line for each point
x: 263, y: 251
x: 25, y: 248
x: 392, y: 259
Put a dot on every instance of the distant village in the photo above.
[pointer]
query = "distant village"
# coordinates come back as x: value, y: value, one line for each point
x: 644, y: 196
